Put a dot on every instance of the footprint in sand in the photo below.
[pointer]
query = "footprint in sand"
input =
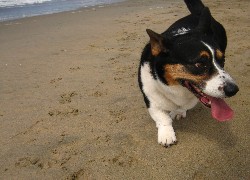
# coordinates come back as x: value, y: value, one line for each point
x: 73, y: 69
x: 67, y: 97
x: 29, y: 161
x: 118, y: 115
x: 64, y: 112
x: 55, y: 81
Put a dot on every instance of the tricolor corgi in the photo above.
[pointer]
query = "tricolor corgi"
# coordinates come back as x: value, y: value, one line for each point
x: 185, y: 65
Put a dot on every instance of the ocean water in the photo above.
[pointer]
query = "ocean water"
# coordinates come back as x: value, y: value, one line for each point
x: 16, y: 9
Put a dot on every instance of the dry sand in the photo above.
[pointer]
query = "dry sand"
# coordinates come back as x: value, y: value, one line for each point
x: 71, y: 107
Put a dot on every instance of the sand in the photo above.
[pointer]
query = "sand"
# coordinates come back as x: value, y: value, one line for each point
x: 71, y: 107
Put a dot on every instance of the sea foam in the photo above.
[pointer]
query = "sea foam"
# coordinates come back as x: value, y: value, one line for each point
x: 11, y: 3
x: 15, y: 9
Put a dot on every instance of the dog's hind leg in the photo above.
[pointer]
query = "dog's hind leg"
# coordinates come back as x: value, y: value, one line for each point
x: 166, y: 134
x: 178, y: 114
x: 181, y: 112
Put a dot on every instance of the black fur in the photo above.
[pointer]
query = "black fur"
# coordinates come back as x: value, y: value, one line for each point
x: 194, y: 6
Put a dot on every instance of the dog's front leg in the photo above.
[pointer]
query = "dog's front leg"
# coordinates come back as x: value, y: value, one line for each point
x: 166, y: 134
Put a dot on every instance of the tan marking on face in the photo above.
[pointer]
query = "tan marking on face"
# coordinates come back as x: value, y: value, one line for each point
x: 219, y: 54
x: 173, y: 72
x: 170, y: 71
x: 204, y: 54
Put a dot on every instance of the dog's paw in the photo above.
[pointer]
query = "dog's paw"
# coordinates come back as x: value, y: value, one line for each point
x: 166, y: 136
x: 178, y: 114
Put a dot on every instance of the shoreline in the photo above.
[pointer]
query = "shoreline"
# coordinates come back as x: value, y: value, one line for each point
x: 71, y: 107
x: 50, y: 12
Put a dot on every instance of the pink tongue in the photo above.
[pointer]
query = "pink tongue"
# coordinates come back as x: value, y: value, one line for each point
x: 220, y: 110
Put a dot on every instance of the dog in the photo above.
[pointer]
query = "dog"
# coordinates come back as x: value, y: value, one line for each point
x: 185, y: 65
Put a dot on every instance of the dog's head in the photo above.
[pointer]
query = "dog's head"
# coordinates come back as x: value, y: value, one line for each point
x: 196, y: 60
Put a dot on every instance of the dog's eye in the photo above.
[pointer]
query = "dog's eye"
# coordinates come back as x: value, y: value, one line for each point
x: 200, y: 65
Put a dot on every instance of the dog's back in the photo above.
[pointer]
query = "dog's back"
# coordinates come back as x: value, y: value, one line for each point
x: 191, y: 22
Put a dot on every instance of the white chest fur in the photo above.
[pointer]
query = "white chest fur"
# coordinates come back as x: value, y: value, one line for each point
x: 166, y: 104
x: 168, y: 98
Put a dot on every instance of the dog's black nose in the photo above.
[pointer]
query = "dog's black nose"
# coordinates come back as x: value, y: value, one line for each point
x: 230, y: 89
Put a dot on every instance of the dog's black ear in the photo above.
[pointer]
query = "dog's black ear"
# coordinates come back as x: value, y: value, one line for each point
x: 158, y: 42
x: 204, y: 25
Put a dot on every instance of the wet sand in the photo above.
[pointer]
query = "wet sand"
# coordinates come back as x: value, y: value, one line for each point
x: 71, y: 107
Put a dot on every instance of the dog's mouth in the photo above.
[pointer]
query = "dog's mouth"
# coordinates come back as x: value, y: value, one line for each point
x: 219, y: 109
x: 204, y: 99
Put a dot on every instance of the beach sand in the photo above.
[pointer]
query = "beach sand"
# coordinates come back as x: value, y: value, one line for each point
x: 71, y: 107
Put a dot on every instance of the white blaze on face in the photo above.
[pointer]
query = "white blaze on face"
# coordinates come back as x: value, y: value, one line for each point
x: 215, y: 85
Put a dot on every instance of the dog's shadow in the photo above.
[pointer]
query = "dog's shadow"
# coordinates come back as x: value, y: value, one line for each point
x: 199, y: 121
